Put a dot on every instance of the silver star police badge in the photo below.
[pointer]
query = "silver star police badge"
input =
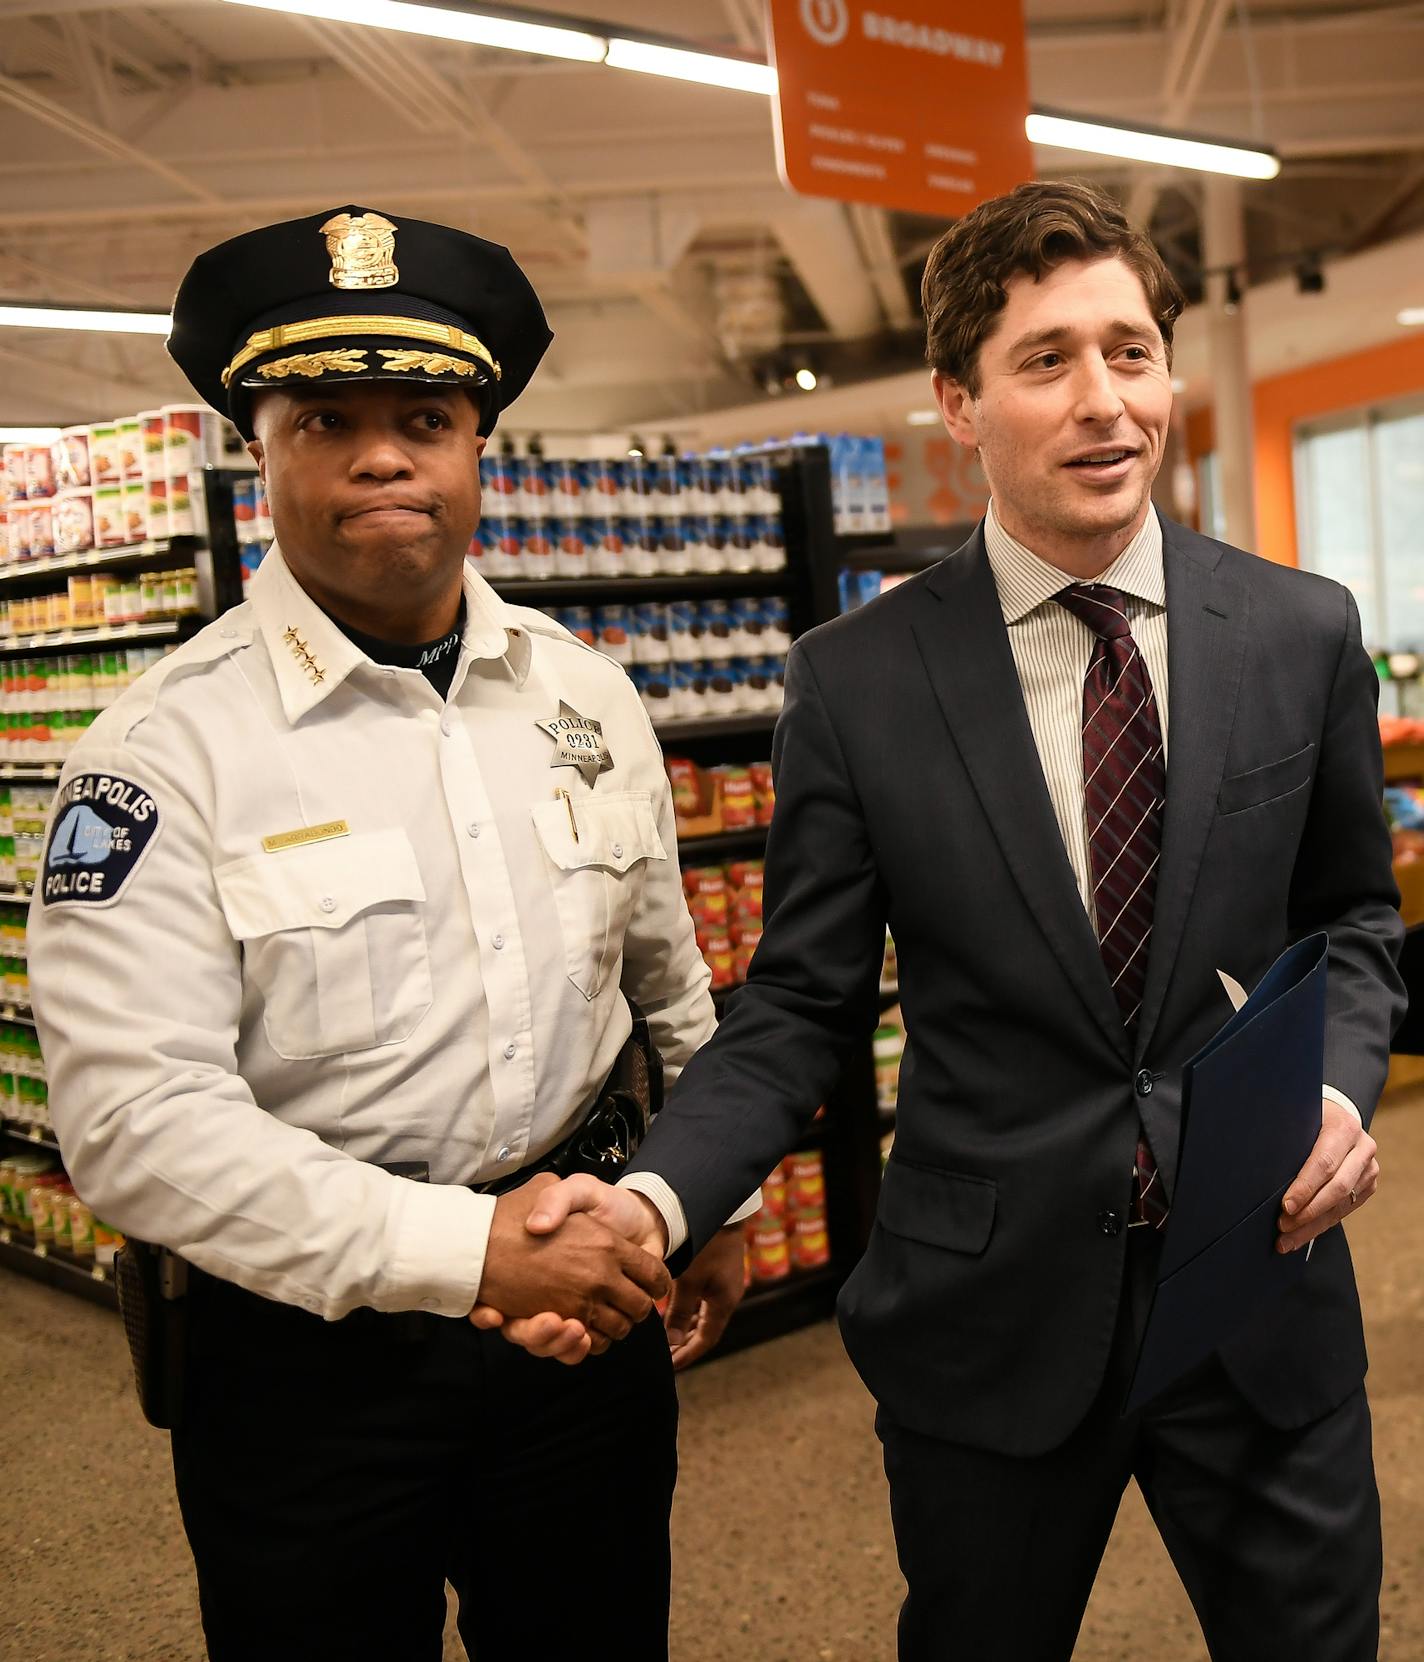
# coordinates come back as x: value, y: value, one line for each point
x: 578, y: 743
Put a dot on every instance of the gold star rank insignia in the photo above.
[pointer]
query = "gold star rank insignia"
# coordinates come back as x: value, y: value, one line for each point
x: 578, y: 743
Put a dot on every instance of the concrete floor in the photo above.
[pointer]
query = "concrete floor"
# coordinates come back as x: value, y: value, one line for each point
x: 783, y: 1546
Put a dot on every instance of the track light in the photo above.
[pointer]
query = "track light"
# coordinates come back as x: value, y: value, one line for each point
x: 1148, y: 144
x: 109, y: 322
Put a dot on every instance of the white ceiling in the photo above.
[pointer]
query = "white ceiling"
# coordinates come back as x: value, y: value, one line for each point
x: 134, y: 136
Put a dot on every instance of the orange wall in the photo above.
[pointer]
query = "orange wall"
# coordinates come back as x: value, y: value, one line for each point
x: 1279, y: 402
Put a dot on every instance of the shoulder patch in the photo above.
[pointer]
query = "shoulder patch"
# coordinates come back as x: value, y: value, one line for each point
x: 103, y: 823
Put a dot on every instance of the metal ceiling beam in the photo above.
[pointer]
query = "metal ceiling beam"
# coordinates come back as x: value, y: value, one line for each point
x: 109, y: 386
x: 1193, y: 43
x: 872, y: 228
x: 394, y: 71
x: 232, y: 209
x: 50, y: 276
x: 1379, y: 221
x: 95, y: 75
x: 818, y: 240
x: 76, y: 126
x: 747, y: 25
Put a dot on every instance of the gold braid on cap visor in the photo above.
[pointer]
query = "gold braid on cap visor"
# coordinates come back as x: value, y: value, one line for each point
x: 331, y: 328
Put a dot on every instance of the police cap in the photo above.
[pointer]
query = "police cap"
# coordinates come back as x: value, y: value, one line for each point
x: 355, y: 295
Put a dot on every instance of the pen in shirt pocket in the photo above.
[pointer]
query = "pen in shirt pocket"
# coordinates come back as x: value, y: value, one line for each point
x: 569, y: 804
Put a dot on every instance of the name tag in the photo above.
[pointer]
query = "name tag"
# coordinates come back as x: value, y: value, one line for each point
x: 306, y: 834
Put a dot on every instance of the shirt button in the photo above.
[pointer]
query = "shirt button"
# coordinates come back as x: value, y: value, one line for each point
x: 618, y: 851
x: 1144, y: 1083
x: 228, y: 634
x: 1110, y: 1223
x: 328, y: 903
x: 499, y: 943
x: 446, y: 728
x: 510, y: 1052
x: 473, y: 828
x: 503, y: 1154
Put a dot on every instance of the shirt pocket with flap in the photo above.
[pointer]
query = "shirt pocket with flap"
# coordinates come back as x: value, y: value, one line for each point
x: 596, y: 876
x: 333, y: 940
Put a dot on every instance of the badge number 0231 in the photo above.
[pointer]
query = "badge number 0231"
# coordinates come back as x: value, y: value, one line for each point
x: 578, y: 743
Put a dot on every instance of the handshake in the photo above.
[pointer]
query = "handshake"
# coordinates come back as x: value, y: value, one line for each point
x: 574, y: 1265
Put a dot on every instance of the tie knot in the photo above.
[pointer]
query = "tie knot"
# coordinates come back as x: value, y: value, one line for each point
x: 1104, y: 610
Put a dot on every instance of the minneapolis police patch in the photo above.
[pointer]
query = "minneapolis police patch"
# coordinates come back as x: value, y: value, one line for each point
x: 102, y: 825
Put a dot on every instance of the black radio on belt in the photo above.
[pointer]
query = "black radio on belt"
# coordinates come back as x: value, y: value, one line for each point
x: 152, y: 1283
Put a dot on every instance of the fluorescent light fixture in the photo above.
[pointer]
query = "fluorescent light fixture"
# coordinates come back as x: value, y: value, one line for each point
x: 1141, y: 144
x: 72, y: 317
x: 704, y: 67
x: 806, y: 380
x: 1412, y: 316
x: 28, y: 435
x: 922, y: 418
x: 543, y: 39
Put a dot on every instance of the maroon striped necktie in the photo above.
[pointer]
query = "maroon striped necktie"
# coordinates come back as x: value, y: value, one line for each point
x: 1124, y: 789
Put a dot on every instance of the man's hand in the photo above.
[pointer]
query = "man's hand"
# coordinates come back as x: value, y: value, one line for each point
x: 590, y: 1276
x: 551, y: 1330
x: 705, y: 1295
x: 1340, y: 1176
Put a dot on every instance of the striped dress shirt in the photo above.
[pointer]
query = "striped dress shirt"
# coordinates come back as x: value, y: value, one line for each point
x: 1051, y: 650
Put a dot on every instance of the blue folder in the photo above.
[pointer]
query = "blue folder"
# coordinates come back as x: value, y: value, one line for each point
x: 1250, y: 1117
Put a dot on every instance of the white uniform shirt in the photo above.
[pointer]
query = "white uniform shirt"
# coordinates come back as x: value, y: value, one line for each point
x: 234, y: 1036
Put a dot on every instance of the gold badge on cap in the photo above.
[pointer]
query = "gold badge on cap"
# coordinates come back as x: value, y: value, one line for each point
x: 578, y: 743
x: 363, y: 251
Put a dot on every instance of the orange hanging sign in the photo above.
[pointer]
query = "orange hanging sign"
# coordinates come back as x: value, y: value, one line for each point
x: 910, y: 104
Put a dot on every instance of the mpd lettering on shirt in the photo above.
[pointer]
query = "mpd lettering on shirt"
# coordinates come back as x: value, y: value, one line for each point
x: 102, y: 825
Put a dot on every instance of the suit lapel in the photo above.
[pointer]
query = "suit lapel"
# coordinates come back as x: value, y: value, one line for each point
x: 1206, y: 643
x: 964, y: 644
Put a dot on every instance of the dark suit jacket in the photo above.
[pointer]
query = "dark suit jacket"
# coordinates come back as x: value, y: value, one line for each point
x: 909, y: 791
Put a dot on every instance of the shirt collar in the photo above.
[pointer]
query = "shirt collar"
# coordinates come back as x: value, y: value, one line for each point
x: 311, y: 657
x: 1025, y: 582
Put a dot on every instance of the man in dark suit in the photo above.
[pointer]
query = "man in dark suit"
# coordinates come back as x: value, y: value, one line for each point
x: 1079, y: 767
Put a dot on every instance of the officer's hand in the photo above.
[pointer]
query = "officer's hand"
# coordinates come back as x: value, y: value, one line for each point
x: 586, y: 1273
x: 548, y: 1334
x: 705, y: 1295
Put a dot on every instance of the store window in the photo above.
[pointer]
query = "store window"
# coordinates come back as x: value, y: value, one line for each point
x: 1359, y: 484
x: 1211, y: 515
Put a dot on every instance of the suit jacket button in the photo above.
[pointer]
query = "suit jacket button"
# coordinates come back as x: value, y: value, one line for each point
x: 1144, y: 1083
x: 1110, y: 1223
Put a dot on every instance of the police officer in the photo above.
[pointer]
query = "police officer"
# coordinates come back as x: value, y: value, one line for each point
x: 349, y: 890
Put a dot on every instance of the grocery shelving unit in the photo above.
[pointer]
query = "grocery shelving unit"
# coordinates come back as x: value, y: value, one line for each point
x: 849, y: 1131
x: 214, y: 558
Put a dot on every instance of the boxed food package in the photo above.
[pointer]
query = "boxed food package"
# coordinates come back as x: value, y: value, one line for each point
x: 71, y: 453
